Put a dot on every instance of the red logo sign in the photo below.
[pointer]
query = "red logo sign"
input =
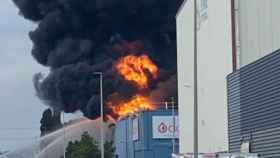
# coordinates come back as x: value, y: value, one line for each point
x: 162, y: 128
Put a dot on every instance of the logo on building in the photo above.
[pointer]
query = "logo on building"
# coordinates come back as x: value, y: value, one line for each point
x: 165, y: 127
x: 162, y: 128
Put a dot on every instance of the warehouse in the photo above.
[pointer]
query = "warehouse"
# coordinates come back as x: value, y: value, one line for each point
x: 254, y: 111
x: 235, y: 37
x: 253, y: 90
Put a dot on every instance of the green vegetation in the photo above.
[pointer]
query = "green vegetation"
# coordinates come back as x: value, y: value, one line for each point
x: 88, y: 147
x: 50, y: 121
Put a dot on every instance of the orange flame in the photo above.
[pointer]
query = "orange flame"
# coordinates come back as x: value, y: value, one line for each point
x: 133, y: 68
x: 136, y: 104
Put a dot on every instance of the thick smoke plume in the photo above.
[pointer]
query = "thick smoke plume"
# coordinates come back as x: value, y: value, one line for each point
x: 75, y: 38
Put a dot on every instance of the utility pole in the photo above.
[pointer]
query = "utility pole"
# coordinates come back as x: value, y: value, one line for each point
x: 174, y: 124
x: 101, y: 113
x: 64, y: 135
x: 195, y: 145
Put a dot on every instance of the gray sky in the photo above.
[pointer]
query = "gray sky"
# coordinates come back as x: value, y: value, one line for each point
x: 19, y: 106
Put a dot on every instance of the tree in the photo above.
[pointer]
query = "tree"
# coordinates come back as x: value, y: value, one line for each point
x: 46, y: 122
x: 50, y: 121
x: 88, y: 147
x: 109, y: 149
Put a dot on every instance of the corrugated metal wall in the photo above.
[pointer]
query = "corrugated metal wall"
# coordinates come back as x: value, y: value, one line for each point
x: 234, y: 112
x: 254, y: 106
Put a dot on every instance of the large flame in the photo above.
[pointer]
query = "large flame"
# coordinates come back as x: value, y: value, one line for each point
x: 135, y: 68
x: 136, y: 104
x: 138, y: 69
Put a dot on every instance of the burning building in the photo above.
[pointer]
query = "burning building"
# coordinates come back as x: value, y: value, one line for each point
x: 132, y: 42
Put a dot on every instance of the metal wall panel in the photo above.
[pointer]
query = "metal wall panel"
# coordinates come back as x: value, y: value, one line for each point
x: 259, y: 28
x: 234, y: 113
x: 254, y: 106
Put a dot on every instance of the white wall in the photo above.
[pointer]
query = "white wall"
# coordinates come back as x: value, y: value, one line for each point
x: 259, y: 28
x: 214, y: 64
x: 185, y: 77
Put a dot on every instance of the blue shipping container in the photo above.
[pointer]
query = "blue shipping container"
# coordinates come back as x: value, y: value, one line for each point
x: 147, y: 135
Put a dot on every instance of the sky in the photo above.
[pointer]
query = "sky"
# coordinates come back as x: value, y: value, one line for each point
x: 21, y: 110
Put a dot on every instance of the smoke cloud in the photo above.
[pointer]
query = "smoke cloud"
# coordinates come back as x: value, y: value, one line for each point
x: 75, y: 38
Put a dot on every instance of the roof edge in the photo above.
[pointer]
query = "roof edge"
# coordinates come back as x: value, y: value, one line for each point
x: 181, y: 8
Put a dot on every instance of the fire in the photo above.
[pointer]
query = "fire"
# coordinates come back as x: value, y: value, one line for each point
x: 136, y: 104
x: 138, y: 69
x: 135, y: 68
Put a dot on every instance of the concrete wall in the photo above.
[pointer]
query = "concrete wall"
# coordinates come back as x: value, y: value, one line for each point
x: 259, y: 28
x: 214, y: 64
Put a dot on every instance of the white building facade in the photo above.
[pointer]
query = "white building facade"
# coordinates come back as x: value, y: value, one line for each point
x: 214, y: 64
x: 231, y: 34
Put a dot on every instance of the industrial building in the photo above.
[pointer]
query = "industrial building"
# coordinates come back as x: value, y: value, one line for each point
x: 253, y: 90
x: 254, y: 107
x: 240, y: 38
x: 148, y: 134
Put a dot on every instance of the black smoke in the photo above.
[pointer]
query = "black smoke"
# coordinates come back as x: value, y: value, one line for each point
x: 75, y: 38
